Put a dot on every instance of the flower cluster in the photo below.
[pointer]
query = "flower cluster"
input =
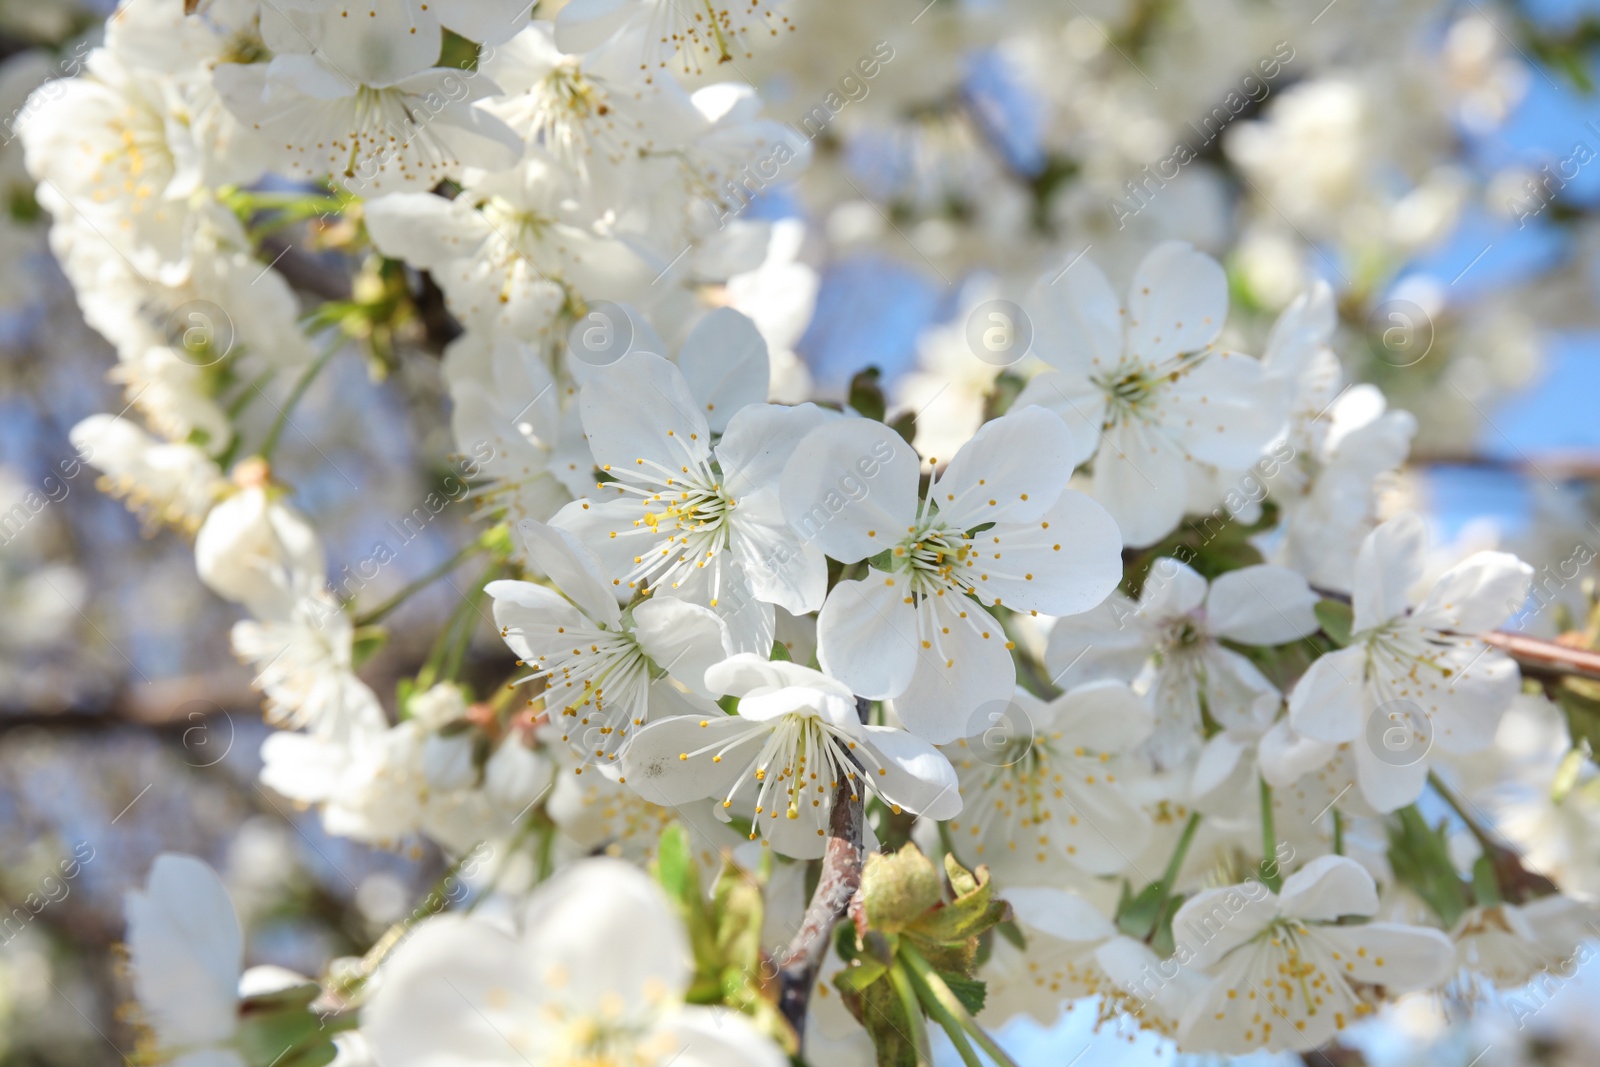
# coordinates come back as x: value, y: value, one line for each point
x: 1143, y: 651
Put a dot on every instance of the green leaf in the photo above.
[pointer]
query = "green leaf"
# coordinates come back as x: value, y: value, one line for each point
x: 905, y: 424
x: 1485, y: 884
x: 878, y: 1008
x: 1336, y: 618
x: 1137, y: 916
x: 971, y: 992
x: 279, y: 1028
x: 866, y: 394
x: 962, y: 880
x: 675, y: 868
x: 737, y: 911
x: 972, y: 913
x: 862, y: 973
x: 1420, y: 858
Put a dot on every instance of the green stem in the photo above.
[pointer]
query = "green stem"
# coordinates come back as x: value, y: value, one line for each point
x: 942, y: 1015
x: 1338, y: 833
x: 913, y: 1012
x: 1169, y: 877
x: 271, y: 443
x: 367, y: 618
x: 1490, y: 845
x: 929, y: 977
x: 250, y: 392
x: 469, y: 618
x: 1270, y: 875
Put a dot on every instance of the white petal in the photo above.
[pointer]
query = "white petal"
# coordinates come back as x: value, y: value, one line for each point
x: 652, y: 765
x: 1105, y: 716
x: 1011, y: 471
x: 531, y: 614
x: 1477, y: 594
x: 1171, y: 588
x: 966, y: 668
x: 1219, y: 758
x: 1076, y: 401
x: 851, y: 487
x: 1109, y: 641
x: 1226, y: 410
x: 1328, y: 701
x: 426, y: 231
x: 1239, y: 695
x: 584, y: 25
x: 609, y: 529
x: 449, y: 995
x: 612, y: 895
x: 724, y: 362
x: 1059, y: 914
x: 1388, y: 784
x: 576, y: 571
x: 1301, y: 331
x: 713, y: 1037
x: 1077, y: 320
x: 1328, y: 887
x: 867, y: 636
x: 1065, y: 562
x: 744, y: 674
x: 918, y: 776
x: 682, y: 639
x: 1389, y: 564
x: 1286, y: 756
x: 640, y: 416
x: 760, y: 439
x: 1261, y: 605
x: 783, y: 568
x: 1394, y: 955
x: 1466, y: 715
x: 1140, y: 475
x: 1213, y: 922
x: 186, y: 952
x: 1177, y: 302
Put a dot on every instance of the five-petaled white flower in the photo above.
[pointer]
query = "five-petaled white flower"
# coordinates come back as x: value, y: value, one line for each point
x: 781, y: 759
x: 595, y: 973
x: 1143, y: 386
x: 1041, y: 784
x: 998, y: 528
x: 687, y: 519
x: 598, y: 662
x: 1286, y: 974
x: 1173, y: 639
x: 1411, y: 681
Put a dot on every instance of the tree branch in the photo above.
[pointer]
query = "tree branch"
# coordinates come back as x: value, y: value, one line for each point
x: 842, y: 860
x: 1537, y: 656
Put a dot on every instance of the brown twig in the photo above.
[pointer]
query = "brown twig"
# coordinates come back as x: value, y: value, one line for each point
x: 841, y: 876
x: 1537, y: 656
x: 842, y: 860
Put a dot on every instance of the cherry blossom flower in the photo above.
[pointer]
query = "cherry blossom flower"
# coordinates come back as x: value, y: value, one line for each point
x: 780, y: 761
x: 1411, y: 681
x: 551, y: 992
x: 598, y: 663
x: 1043, y: 792
x: 1287, y: 975
x: 998, y: 528
x: 683, y: 517
x: 1173, y: 639
x: 1143, y: 386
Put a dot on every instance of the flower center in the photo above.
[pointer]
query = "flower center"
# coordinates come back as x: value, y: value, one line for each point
x: 576, y: 678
